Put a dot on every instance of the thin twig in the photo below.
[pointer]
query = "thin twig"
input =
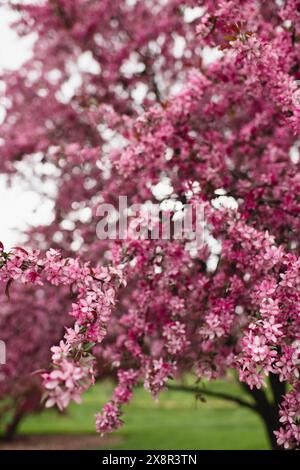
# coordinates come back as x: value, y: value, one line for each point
x: 222, y: 395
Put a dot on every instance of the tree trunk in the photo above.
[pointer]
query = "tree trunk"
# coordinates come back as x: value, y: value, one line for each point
x: 269, y: 410
x: 28, y: 404
x: 12, y: 427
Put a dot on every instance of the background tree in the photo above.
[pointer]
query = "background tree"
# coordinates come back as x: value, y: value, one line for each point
x: 30, y: 323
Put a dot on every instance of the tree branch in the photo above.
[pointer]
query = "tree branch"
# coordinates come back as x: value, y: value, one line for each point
x: 278, y: 389
x: 211, y: 393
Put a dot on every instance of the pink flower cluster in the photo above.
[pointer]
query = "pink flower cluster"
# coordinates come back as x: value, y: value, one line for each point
x: 289, y: 434
x: 109, y: 419
x: 73, y: 371
x: 175, y: 334
x: 157, y: 373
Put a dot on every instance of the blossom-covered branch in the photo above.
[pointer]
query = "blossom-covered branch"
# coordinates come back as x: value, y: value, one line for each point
x: 95, y: 289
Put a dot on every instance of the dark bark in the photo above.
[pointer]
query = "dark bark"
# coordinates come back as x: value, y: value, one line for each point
x: 267, y: 409
x: 267, y: 412
x: 29, y: 404
x: 12, y: 427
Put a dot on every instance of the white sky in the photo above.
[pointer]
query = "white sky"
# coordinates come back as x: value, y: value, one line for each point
x: 17, y: 203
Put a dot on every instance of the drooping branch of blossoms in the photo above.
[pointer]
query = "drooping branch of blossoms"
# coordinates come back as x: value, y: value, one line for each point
x: 109, y: 419
x: 95, y: 289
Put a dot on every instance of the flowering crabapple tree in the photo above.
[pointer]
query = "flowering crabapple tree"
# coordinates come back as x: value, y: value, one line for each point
x: 118, y: 99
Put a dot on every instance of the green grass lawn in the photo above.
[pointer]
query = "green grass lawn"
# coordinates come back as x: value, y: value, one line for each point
x: 176, y: 421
